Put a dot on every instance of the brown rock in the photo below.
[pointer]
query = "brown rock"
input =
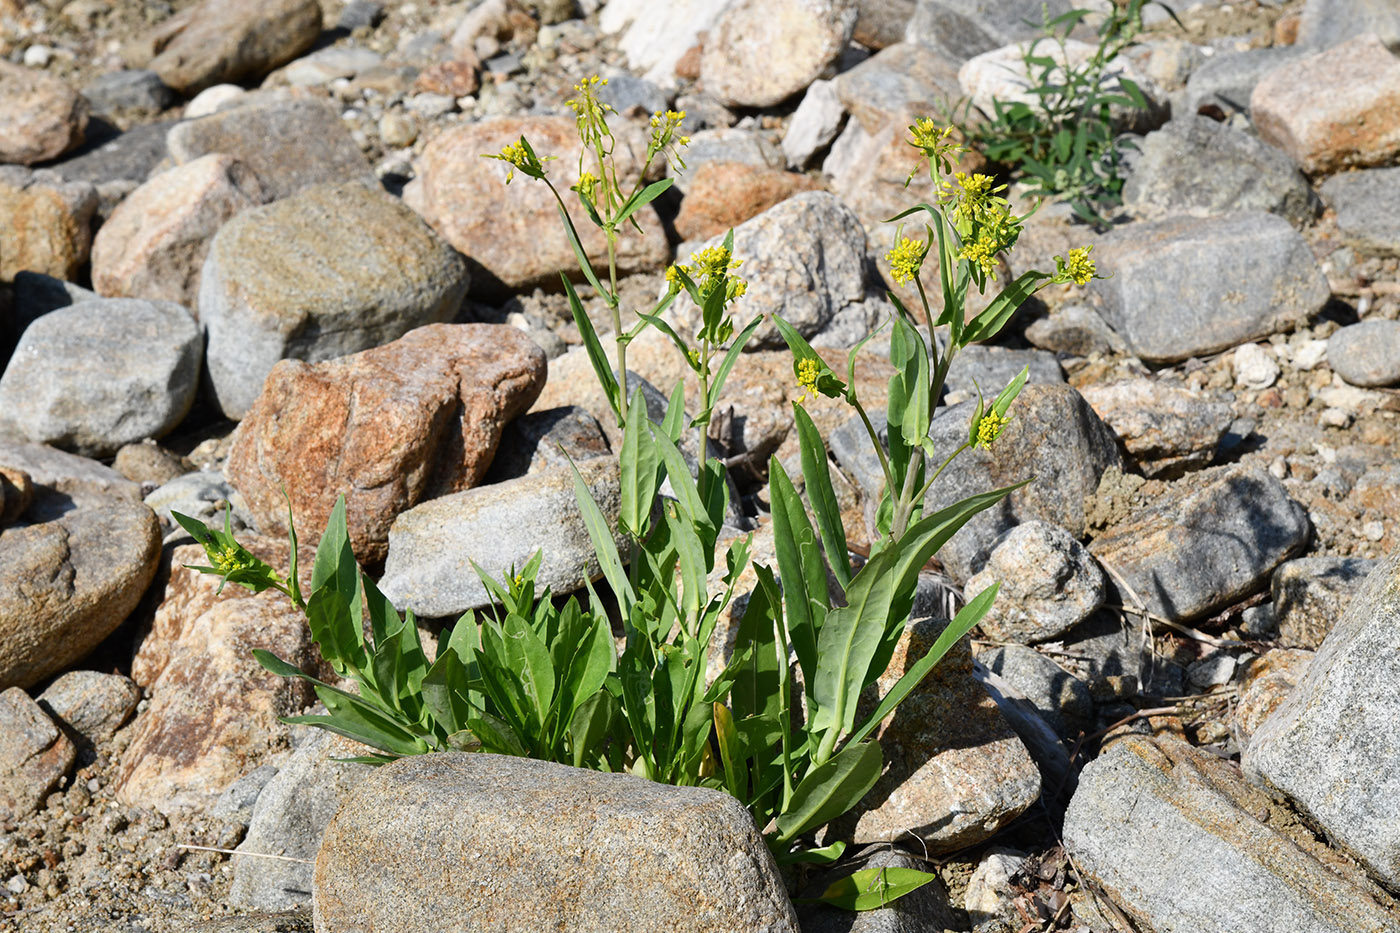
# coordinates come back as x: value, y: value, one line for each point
x: 153, y: 245
x: 723, y: 195
x: 34, y: 755
x: 217, y: 42
x: 213, y: 710
x: 389, y: 427
x: 16, y: 492
x: 40, y: 117
x: 1167, y: 428
x: 1337, y: 109
x: 456, y: 78
x: 761, y: 52
x: 1266, y: 683
x: 47, y: 224
x: 955, y: 772
x: 514, y: 231
x: 89, y: 704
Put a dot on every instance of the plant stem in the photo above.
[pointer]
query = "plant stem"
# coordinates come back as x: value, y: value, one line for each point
x: 614, y: 304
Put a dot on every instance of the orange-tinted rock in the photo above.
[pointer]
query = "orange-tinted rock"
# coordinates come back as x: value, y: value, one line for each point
x: 1267, y: 682
x: 40, y: 117
x: 514, y: 231
x: 387, y: 427
x: 456, y: 78
x: 1337, y: 109
x: 725, y: 194
x: 213, y: 710
x: 34, y: 755
x: 47, y: 224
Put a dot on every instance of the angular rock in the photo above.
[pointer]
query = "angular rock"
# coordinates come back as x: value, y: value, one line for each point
x: 1264, y: 685
x: 1337, y: 109
x: 213, y: 709
x: 63, y: 480
x: 813, y: 125
x: 722, y: 195
x: 386, y: 428
x: 544, y: 439
x: 1189, y: 286
x: 1254, y: 367
x: 882, y: 23
x: 761, y: 52
x: 290, y: 817
x: 1167, y: 428
x: 148, y: 463
x: 1049, y: 584
x: 16, y: 492
x: 47, y: 223
x: 1326, y: 23
x: 904, y: 78
x: 90, y: 704
x: 561, y: 847
x: 725, y: 144
x: 1311, y: 594
x: 1194, y: 165
x: 803, y: 258
x: 327, y: 64
x: 276, y: 286
x: 1074, y: 329
x: 1204, y: 546
x: 1062, y: 699
x: 1166, y: 830
x: 432, y: 546
x: 1330, y: 745
x: 992, y: 368
x: 954, y: 771
x: 153, y: 246
x: 513, y: 233
x: 1366, y: 354
x: 1226, y: 80
x: 34, y: 755
x: 41, y: 118
x: 960, y: 29
x: 118, y: 165
x: 1366, y: 204
x: 656, y: 36
x: 68, y: 580
x: 990, y: 896
x: 215, y: 43
x: 129, y: 90
x: 100, y: 374
x: 289, y: 144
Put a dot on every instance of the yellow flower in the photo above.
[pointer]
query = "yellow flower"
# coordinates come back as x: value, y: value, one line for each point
x: 808, y: 372
x: 1080, y: 267
x: 982, y: 252
x: 905, y: 260
x: 673, y: 280
x: 989, y: 428
x: 974, y: 185
x: 520, y: 156
x: 928, y: 136
x: 229, y: 559
x: 588, y: 186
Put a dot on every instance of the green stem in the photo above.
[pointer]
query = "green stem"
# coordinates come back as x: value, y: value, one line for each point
x: 875, y: 442
x: 614, y: 305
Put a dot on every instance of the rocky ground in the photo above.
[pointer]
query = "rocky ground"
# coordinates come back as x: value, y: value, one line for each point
x: 247, y: 246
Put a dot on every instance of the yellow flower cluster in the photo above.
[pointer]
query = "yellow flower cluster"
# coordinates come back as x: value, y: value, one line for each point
x: 983, y: 219
x: 905, y: 260
x: 989, y: 428
x: 707, y: 269
x: 587, y: 186
x: 229, y: 559
x: 808, y: 372
x: 664, y: 125
x: 1080, y: 267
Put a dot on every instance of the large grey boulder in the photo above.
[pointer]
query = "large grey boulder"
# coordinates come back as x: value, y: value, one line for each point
x: 278, y: 285
x: 1366, y: 353
x: 476, y: 841
x: 100, y: 374
x: 1367, y: 203
x: 1049, y: 583
x: 1204, y: 546
x: 432, y: 545
x: 1177, y: 839
x: 1332, y: 745
x: 1188, y: 286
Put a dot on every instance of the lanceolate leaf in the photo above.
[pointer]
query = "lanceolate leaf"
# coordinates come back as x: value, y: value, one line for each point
x: 594, y: 347
x: 830, y: 789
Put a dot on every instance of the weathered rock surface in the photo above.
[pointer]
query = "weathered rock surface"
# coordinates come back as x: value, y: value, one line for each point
x: 40, y: 117
x: 1060, y: 698
x: 1330, y: 745
x: 1188, y: 286
x: 1264, y: 684
x: 432, y: 546
x: 290, y: 144
x: 1367, y: 353
x: 1366, y: 203
x: 761, y: 52
x: 513, y: 233
x: 1310, y: 595
x: 387, y: 428
x: 214, y: 42
x: 725, y: 194
x: 275, y: 287
x: 1337, y: 109
x: 520, y: 845
x: 34, y: 755
x: 213, y: 709
x: 90, y: 704
x: 47, y: 223
x: 1173, y: 836
x: 1167, y: 428
x: 1206, y: 545
x: 1049, y: 584
x: 814, y: 123
x: 153, y: 246
x: 99, y: 374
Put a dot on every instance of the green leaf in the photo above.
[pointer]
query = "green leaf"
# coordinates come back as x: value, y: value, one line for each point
x: 682, y: 483
x: 603, y: 544
x: 446, y: 692
x: 637, y: 466
x: 826, y: 855
x: 799, y: 567
x: 873, y: 888
x: 336, y: 632
x: 726, y: 364
x: 690, y: 553
x: 584, y: 265
x: 731, y: 752
x: 597, y: 358
x: 642, y: 198
x: 830, y: 789
x: 335, y: 566
x: 590, y: 725
x: 496, y: 735
x: 990, y: 322
x: 816, y: 475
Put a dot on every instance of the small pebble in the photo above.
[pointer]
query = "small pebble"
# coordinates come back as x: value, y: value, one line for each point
x: 37, y: 56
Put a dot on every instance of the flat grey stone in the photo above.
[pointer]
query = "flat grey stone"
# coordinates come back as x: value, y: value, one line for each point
x: 1331, y: 746
x: 961, y: 29
x: 992, y: 368
x: 1367, y: 203
x: 1167, y: 428
x: 1049, y: 583
x: 1311, y: 594
x: 100, y: 374
x: 290, y: 144
x: 1194, y: 165
x: 1227, y: 79
x: 814, y: 124
x: 129, y: 90
x: 513, y: 844
x: 1206, y: 544
x: 1060, y: 698
x: 1188, y: 286
x: 433, y: 544
x: 904, y: 77
x: 277, y: 285
x: 1326, y: 23
x: 1075, y: 329
x: 1366, y: 354
x: 1174, y: 836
